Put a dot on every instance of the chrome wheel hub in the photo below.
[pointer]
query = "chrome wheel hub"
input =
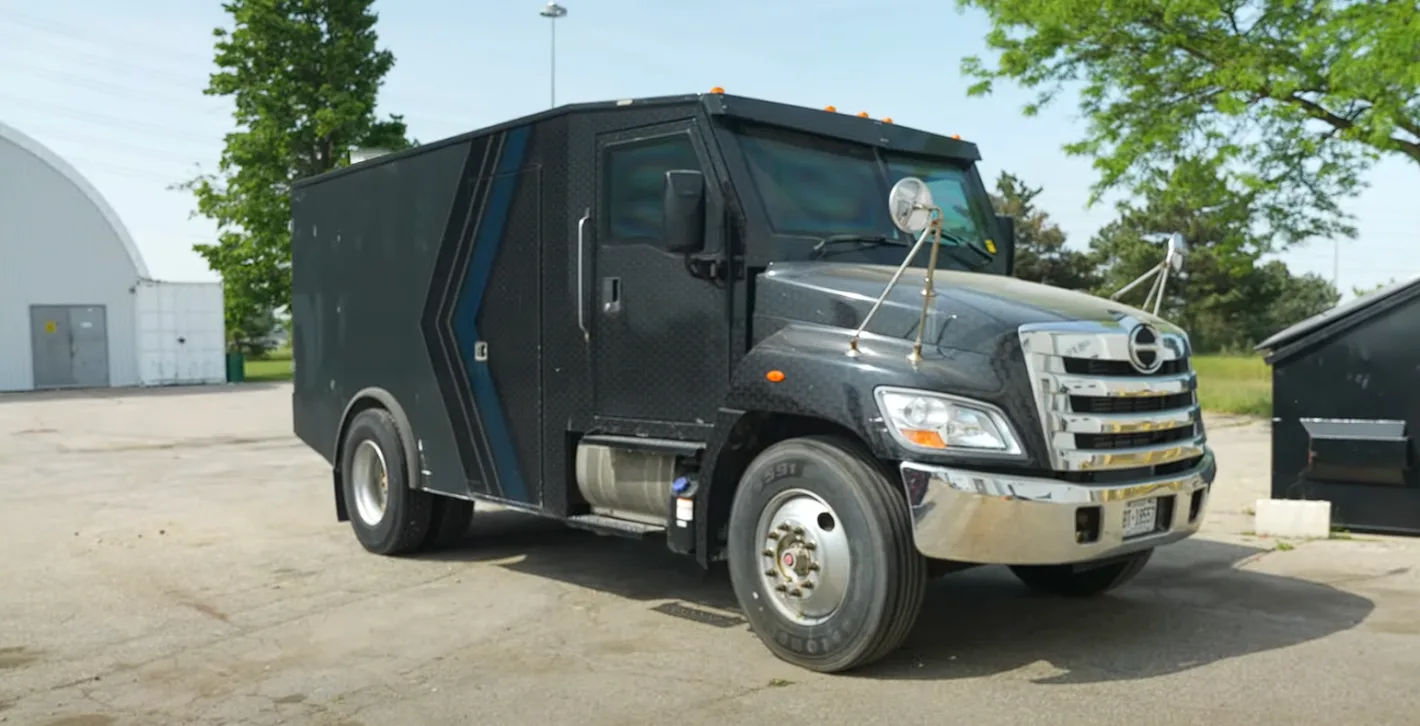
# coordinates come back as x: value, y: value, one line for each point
x: 371, y: 482
x: 804, y: 556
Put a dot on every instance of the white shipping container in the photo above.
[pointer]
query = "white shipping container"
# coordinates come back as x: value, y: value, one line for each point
x: 182, y: 333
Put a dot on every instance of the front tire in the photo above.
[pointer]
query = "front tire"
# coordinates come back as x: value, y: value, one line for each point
x: 389, y: 518
x: 821, y: 555
x: 1065, y: 581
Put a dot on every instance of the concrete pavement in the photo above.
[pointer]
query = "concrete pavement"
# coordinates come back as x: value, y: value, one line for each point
x: 171, y: 557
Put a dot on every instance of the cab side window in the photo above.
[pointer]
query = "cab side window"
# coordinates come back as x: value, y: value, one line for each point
x: 635, y: 178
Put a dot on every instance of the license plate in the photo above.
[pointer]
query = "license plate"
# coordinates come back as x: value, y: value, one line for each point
x: 1140, y: 517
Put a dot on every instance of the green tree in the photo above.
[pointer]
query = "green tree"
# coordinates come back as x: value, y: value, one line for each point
x: 1226, y: 297
x: 304, y: 76
x: 1364, y: 291
x: 1295, y: 97
x: 1041, y: 254
x: 1291, y: 299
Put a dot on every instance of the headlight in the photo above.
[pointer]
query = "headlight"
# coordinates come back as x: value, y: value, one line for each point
x: 927, y: 421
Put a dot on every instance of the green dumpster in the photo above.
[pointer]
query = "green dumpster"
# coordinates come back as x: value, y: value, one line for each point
x: 236, y: 367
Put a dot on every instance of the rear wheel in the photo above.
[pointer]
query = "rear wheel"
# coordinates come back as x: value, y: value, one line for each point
x: 1069, y: 581
x: 821, y: 555
x: 388, y: 517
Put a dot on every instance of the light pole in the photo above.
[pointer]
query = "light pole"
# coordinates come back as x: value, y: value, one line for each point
x: 552, y: 11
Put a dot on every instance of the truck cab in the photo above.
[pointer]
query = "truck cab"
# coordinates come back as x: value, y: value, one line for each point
x: 782, y: 338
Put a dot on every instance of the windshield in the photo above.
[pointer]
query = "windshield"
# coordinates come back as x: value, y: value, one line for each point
x: 949, y: 185
x: 815, y: 187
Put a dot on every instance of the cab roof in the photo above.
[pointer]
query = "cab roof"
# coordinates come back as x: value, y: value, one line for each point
x: 821, y: 122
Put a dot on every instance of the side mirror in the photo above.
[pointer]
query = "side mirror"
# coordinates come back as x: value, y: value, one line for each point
x: 1006, y: 246
x: 1177, y: 252
x: 683, y: 210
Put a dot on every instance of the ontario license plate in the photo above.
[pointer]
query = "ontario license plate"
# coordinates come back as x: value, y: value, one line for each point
x: 1141, y: 517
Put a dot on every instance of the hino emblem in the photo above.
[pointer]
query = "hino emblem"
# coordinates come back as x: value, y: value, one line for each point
x: 1144, y: 349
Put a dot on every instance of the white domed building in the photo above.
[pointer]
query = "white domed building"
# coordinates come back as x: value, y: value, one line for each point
x: 78, y: 308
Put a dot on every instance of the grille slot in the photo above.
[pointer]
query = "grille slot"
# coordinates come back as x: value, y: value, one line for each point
x: 1142, y: 404
x: 1132, y: 441
x: 1098, y: 367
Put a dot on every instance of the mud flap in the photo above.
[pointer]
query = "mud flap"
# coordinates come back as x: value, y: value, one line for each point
x: 341, y: 513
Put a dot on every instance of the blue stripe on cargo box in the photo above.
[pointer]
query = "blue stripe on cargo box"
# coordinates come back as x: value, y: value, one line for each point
x: 475, y: 285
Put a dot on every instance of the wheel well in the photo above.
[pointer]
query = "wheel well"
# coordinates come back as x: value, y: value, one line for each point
x: 363, y: 403
x: 359, y: 405
x: 752, y: 434
x: 365, y: 400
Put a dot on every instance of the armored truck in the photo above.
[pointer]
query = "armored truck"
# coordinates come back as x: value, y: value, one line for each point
x: 783, y: 339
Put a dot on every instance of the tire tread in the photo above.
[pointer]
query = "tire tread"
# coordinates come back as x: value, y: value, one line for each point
x: 416, y: 506
x: 905, y: 602
x: 906, y: 568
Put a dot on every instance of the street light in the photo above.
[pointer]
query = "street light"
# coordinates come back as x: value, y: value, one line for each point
x: 552, y: 11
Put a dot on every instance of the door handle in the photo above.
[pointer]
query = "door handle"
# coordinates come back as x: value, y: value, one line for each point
x: 581, y: 274
x: 611, y: 295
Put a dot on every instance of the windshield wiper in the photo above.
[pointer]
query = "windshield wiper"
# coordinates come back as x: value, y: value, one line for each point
x: 981, y: 257
x: 866, y: 240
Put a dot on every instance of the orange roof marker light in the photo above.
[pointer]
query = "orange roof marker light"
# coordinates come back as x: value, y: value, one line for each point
x: 887, y: 119
x: 774, y: 376
x: 831, y: 109
x: 862, y: 114
x: 957, y: 137
x: 717, y: 90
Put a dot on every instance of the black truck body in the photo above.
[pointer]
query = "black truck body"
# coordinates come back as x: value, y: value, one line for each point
x: 559, y: 315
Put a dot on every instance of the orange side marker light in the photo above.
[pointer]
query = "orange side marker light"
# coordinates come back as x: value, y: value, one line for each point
x: 774, y: 376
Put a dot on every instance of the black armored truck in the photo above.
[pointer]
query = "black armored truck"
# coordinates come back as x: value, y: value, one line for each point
x: 782, y: 338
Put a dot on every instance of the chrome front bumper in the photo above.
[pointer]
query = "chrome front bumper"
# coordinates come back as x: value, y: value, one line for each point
x: 982, y: 518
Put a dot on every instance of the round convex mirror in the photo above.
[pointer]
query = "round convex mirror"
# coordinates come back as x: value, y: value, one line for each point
x: 910, y: 204
x: 1178, y: 250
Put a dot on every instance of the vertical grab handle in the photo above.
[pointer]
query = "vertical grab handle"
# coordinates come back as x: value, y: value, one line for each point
x: 582, y: 274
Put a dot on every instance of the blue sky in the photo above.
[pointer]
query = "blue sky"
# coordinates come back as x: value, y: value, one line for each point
x: 115, y: 88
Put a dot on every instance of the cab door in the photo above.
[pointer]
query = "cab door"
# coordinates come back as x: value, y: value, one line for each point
x: 660, y: 334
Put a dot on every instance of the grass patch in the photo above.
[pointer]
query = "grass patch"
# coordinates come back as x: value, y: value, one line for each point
x: 1238, y: 384
x: 274, y: 366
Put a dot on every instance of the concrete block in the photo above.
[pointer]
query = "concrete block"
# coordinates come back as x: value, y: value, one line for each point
x: 1293, y: 518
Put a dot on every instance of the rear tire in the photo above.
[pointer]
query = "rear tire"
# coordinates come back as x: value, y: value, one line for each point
x: 1064, y: 581
x: 865, y: 577
x: 388, y: 517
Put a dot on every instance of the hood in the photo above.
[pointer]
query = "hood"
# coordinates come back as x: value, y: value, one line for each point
x: 972, y: 310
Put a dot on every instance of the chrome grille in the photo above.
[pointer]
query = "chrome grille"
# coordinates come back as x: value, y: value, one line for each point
x: 1101, y: 408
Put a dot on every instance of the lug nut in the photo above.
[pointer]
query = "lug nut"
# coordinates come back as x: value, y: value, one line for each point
x: 781, y: 588
x: 796, y: 592
x: 813, y: 567
x: 785, y: 526
x: 810, y: 546
x: 798, y: 530
x: 807, y: 586
x: 774, y: 535
x: 770, y: 573
x: 768, y: 553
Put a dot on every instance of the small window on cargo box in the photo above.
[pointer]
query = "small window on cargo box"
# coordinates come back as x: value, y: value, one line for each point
x: 635, y: 184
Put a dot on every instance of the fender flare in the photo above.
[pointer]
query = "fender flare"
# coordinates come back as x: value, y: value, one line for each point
x: 387, y: 401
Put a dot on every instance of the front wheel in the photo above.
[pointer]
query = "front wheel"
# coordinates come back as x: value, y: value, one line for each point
x: 1067, y: 581
x: 821, y: 555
